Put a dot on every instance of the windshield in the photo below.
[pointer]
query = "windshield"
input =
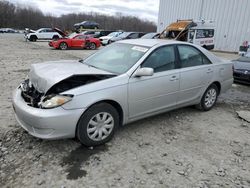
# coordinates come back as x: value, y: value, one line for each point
x: 72, y: 35
x: 148, y: 36
x: 124, y: 35
x: 113, y: 34
x: 117, y: 58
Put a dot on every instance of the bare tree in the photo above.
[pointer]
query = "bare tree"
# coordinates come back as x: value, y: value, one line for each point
x: 21, y: 17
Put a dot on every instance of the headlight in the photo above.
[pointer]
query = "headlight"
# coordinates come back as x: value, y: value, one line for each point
x: 53, y: 101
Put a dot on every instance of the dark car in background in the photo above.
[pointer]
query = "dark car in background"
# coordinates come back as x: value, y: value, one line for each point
x: 151, y: 36
x: 241, y: 69
x: 128, y: 35
x: 87, y: 25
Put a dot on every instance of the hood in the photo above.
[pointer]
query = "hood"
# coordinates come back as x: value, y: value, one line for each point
x: 44, y: 75
x: 63, y: 34
x: 240, y: 65
x: 105, y: 37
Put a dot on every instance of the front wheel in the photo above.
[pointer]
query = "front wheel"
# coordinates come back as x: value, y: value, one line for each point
x: 209, y: 98
x: 63, y: 46
x: 97, y: 125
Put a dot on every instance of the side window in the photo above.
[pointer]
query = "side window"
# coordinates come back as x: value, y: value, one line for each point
x: 204, y: 33
x: 190, y: 56
x: 78, y: 37
x: 42, y: 31
x: 162, y: 59
x: 50, y: 30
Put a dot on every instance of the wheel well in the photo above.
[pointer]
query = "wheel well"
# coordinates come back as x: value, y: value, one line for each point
x: 33, y: 36
x: 55, y: 36
x: 218, y: 85
x: 117, y: 106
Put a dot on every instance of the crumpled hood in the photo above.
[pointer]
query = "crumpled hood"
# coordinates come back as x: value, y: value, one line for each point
x: 44, y: 75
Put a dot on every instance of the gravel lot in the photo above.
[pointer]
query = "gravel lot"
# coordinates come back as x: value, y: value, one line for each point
x: 182, y: 148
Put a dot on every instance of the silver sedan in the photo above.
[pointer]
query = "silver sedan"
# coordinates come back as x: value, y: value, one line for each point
x: 124, y: 82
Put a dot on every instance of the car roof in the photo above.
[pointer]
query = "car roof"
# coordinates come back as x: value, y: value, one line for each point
x: 149, y: 42
x: 153, y: 42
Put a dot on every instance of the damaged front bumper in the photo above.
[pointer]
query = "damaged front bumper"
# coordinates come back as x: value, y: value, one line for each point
x: 45, y: 123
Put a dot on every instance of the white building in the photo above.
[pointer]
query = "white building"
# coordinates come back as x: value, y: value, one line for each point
x: 231, y: 17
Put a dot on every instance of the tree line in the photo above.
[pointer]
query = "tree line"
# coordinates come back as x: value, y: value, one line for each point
x: 18, y: 17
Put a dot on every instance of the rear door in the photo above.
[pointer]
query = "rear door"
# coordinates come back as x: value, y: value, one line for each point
x: 196, y: 72
x: 148, y: 94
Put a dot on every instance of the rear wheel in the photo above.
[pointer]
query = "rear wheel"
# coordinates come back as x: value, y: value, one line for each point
x: 209, y: 98
x: 63, y: 46
x: 92, y: 46
x: 97, y: 125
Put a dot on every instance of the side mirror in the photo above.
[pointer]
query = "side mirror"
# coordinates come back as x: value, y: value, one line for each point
x: 145, y: 71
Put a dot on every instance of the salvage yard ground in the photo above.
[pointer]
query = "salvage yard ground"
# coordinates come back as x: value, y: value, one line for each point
x: 182, y: 148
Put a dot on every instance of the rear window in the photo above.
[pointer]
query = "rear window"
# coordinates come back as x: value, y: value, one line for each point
x: 204, y: 33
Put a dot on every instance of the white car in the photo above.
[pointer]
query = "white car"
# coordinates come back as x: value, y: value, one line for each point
x: 106, y: 39
x: 43, y: 34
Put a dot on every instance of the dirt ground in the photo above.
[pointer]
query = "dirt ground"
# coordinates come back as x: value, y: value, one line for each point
x: 181, y: 148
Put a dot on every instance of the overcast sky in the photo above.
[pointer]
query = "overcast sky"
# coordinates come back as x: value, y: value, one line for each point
x: 145, y: 9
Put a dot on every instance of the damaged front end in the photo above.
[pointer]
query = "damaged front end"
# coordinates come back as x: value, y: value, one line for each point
x: 53, y: 97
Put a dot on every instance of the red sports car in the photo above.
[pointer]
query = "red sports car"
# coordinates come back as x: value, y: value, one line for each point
x: 75, y: 41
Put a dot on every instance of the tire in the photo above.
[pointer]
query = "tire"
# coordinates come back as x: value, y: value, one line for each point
x: 33, y: 38
x: 209, y: 98
x: 88, y: 129
x: 109, y: 41
x: 92, y: 46
x: 55, y: 37
x: 63, y: 46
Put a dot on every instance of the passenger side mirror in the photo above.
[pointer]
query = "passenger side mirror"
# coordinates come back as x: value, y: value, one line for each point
x: 145, y: 71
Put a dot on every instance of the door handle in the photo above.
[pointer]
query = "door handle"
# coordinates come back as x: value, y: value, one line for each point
x: 209, y: 70
x: 173, y: 78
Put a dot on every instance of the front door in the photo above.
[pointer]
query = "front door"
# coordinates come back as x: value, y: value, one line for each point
x: 78, y: 42
x: 150, y: 94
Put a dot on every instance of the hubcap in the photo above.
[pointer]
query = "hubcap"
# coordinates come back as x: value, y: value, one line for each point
x: 100, y: 126
x: 210, y: 97
x: 92, y: 46
x: 63, y: 46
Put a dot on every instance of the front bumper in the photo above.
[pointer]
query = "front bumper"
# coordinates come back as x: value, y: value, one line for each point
x: 104, y: 42
x: 53, y: 123
x: 241, y: 77
x: 53, y: 44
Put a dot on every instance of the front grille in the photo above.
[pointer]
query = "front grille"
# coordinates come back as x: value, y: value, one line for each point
x: 30, y: 95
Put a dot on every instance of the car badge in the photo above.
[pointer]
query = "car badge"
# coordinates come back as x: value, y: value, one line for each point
x: 246, y: 72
